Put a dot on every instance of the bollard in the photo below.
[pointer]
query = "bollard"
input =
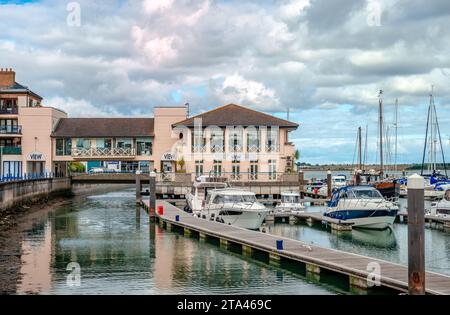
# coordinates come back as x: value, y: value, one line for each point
x: 177, y: 218
x: 161, y: 210
x: 301, y: 181
x: 416, y: 235
x: 279, y: 244
x: 152, y: 195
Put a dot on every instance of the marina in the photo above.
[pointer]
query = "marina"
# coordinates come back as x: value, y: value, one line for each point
x: 313, y: 257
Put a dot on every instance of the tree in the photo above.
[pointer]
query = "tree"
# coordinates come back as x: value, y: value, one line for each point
x: 181, y: 164
x: 297, y: 155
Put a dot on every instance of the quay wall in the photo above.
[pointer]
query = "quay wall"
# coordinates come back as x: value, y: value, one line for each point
x: 13, y: 194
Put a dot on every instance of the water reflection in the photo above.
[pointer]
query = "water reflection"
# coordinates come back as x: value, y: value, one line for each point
x: 377, y: 238
x: 119, y: 252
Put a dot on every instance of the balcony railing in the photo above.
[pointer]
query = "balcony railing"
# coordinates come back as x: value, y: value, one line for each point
x: 10, y: 130
x: 9, y: 111
x: 253, y: 148
x: 104, y: 152
x: 272, y: 148
x: 11, y: 150
x: 198, y: 149
x: 235, y: 148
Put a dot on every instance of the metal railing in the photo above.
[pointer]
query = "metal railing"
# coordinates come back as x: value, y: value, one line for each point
x: 104, y: 152
x: 10, y: 130
x: 31, y: 176
x: 9, y: 111
x: 272, y: 148
x: 11, y: 150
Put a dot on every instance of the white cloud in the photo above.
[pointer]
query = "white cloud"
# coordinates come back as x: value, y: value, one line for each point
x: 153, y: 6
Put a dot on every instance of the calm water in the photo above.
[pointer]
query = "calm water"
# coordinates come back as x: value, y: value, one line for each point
x: 323, y: 174
x: 390, y: 244
x: 110, y: 241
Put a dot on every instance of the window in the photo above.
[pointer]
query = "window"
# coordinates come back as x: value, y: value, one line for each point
x: 124, y: 143
x: 272, y: 139
x: 272, y: 169
x: 235, y: 139
x: 83, y: 144
x: 8, y: 106
x: 9, y: 126
x: 198, y: 140
x: 217, y: 168
x: 253, y: 139
x: 64, y: 147
x: 217, y: 140
x: 144, y: 146
x: 198, y: 168
x: 103, y: 143
x: 236, y: 170
x: 253, y: 170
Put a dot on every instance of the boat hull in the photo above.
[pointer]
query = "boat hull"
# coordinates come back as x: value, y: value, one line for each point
x: 370, y: 219
x: 247, y: 219
x: 389, y: 190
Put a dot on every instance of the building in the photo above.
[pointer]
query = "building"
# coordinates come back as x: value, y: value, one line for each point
x: 231, y: 139
x: 25, y: 128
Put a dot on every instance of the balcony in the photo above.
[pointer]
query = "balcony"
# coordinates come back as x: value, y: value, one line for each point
x: 236, y: 148
x: 272, y: 148
x: 94, y: 153
x: 11, y: 150
x: 9, y: 111
x: 11, y: 130
x: 198, y: 149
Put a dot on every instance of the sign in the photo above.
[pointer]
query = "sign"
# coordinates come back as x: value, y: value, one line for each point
x: 168, y: 157
x: 36, y: 156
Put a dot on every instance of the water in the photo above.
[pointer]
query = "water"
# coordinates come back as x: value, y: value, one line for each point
x: 110, y: 241
x: 389, y: 244
x: 349, y: 174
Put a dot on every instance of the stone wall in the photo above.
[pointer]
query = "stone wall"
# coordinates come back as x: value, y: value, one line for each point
x: 25, y: 192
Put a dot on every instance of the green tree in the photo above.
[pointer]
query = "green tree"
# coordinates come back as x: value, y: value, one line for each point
x: 181, y: 163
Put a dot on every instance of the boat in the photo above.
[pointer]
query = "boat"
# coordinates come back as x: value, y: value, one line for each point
x: 290, y: 202
x: 442, y: 208
x: 364, y: 206
x: 195, y: 200
x: 233, y: 206
x: 337, y: 181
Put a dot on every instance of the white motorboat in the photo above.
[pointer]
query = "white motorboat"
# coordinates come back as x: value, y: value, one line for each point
x: 337, y: 181
x: 364, y: 206
x: 442, y: 208
x: 199, y: 192
x: 235, y: 207
x: 290, y: 202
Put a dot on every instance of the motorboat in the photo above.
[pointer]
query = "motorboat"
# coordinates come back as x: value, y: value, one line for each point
x: 235, y: 207
x: 337, y: 181
x: 442, y: 207
x: 196, y: 199
x: 290, y: 202
x: 364, y: 206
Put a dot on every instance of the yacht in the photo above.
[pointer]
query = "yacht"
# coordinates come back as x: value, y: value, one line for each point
x: 290, y: 202
x: 442, y: 208
x: 195, y: 200
x: 235, y: 207
x: 364, y: 206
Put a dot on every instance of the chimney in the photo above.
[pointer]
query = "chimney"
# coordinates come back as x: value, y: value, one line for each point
x: 7, y: 77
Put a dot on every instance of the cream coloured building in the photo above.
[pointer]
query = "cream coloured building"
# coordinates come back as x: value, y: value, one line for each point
x: 232, y: 139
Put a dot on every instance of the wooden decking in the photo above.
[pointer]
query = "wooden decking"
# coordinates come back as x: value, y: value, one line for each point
x: 355, y: 266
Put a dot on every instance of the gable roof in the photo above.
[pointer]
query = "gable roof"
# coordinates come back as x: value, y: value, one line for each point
x: 104, y: 127
x: 237, y: 115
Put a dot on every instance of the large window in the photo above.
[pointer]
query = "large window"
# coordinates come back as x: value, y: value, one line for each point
x: 144, y: 146
x: 84, y: 143
x: 9, y: 126
x: 198, y: 140
x: 8, y: 106
x: 217, y: 140
x: 235, y: 139
x: 198, y: 168
x: 272, y: 139
x: 272, y: 169
x: 124, y: 143
x: 103, y: 143
x: 253, y: 139
x: 64, y: 147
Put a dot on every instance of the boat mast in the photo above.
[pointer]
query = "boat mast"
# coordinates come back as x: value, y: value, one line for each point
x: 396, y: 134
x: 380, y: 110
x: 365, y: 146
x: 359, y: 148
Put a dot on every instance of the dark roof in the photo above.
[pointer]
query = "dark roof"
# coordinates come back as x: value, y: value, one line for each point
x: 236, y: 115
x: 104, y: 127
x: 18, y: 88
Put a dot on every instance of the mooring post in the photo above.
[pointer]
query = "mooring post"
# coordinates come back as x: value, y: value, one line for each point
x: 152, y: 194
x: 138, y: 188
x: 416, y: 235
x: 329, y: 184
x: 301, y: 183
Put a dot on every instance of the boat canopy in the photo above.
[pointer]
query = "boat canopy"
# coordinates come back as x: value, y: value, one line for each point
x: 354, y: 192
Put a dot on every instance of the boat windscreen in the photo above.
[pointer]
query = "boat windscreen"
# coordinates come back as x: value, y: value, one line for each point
x: 291, y: 199
x: 234, y: 198
x: 365, y: 194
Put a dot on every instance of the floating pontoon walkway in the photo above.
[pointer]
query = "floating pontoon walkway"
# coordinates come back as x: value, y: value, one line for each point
x: 315, y: 259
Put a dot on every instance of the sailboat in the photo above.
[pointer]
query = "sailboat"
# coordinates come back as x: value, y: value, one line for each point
x: 435, y: 181
x: 388, y: 187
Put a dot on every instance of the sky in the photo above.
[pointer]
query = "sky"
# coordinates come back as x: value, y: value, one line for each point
x: 323, y: 60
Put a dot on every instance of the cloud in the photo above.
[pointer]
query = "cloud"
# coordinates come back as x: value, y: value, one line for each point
x: 321, y: 59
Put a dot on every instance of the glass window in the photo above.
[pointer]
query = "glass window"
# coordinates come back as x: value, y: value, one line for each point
x: 253, y: 139
x: 68, y: 146
x: 59, y: 147
x: 144, y: 146
x: 366, y: 194
x: 124, y: 143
